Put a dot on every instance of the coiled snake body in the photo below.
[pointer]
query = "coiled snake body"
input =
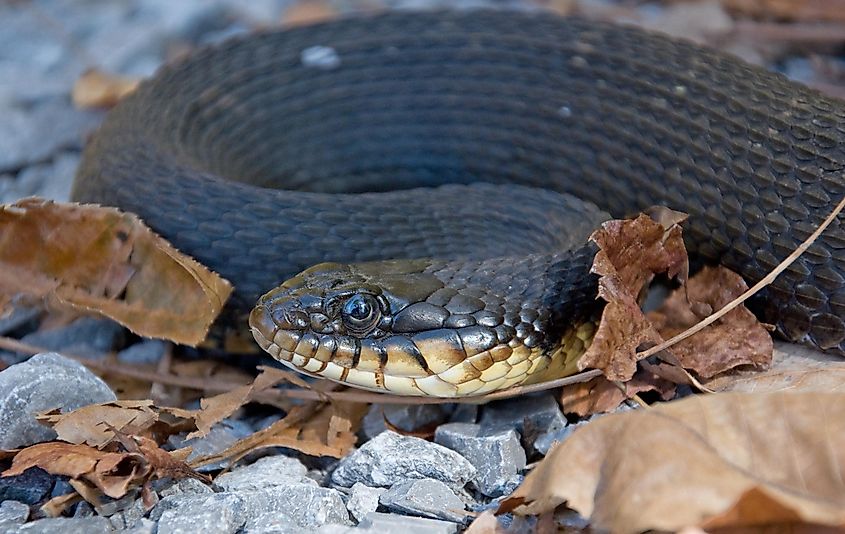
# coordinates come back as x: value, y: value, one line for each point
x: 491, y: 283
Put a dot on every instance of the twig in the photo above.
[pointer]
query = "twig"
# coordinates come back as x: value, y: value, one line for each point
x: 272, y: 397
x: 768, y: 279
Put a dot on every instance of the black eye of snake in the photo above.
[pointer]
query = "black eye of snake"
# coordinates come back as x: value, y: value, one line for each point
x: 360, y: 313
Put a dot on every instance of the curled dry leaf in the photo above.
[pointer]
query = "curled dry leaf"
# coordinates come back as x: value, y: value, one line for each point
x: 600, y: 395
x: 631, y: 253
x: 724, y: 460
x: 100, y: 260
x: 736, y: 339
x: 97, y: 89
x: 112, y: 473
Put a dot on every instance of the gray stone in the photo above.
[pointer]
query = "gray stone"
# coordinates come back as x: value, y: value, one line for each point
x: 546, y: 440
x: 222, y: 436
x: 13, y: 512
x: 44, y: 382
x: 498, y: 457
x: 88, y: 336
x: 272, y: 523
x: 130, y: 514
x: 18, y: 318
x: 267, y: 472
x: 363, y: 500
x: 142, y: 526
x: 219, y: 513
x: 149, y: 351
x: 530, y: 416
x: 185, y: 486
x: 338, y: 529
x: 320, y: 57
x: 32, y: 132
x: 83, y: 509
x: 378, y: 522
x: 306, y: 505
x: 51, y: 180
x: 464, y: 413
x: 426, y: 497
x: 67, y: 525
x: 389, y: 458
x: 407, y: 417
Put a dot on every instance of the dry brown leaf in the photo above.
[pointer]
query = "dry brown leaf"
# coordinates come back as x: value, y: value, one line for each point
x: 98, y: 89
x: 794, y: 368
x: 112, y: 473
x: 95, y: 424
x: 702, y: 461
x: 631, y: 253
x: 92, y: 424
x: 798, y: 10
x: 314, y: 428
x: 736, y: 339
x: 100, y: 260
x: 308, y: 12
x: 600, y: 395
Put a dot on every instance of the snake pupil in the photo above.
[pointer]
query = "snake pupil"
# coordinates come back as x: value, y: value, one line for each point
x: 360, y: 313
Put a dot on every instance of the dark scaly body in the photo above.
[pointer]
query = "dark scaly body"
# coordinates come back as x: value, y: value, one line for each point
x: 616, y: 116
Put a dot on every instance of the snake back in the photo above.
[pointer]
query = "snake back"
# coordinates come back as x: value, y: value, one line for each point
x: 263, y: 156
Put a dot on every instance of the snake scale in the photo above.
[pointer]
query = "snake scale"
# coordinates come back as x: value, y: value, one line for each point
x: 448, y: 164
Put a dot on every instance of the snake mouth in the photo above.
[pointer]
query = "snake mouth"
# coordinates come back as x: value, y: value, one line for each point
x: 426, y: 364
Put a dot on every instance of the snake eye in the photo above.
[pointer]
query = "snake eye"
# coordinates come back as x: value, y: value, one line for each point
x: 360, y: 313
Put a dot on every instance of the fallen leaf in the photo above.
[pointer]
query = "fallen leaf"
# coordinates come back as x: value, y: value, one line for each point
x: 314, y: 428
x: 98, y: 89
x: 112, y: 473
x: 631, y: 253
x: 708, y: 460
x: 308, y: 12
x: 794, y: 368
x: 100, y: 260
x: 600, y: 395
x: 797, y: 10
x: 736, y: 339
x: 96, y: 424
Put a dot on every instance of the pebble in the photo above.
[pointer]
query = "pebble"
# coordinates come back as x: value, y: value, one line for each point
x: 425, y: 497
x: 219, y: 513
x: 390, y: 458
x: 530, y: 416
x: 87, y: 336
x: 498, y: 457
x: 147, y: 352
x: 68, y: 525
x: 13, y: 512
x: 306, y: 505
x: 185, y: 486
x: 362, y: 500
x: 222, y: 436
x: 44, y: 382
x: 267, y: 472
x: 377, y: 522
x: 407, y: 417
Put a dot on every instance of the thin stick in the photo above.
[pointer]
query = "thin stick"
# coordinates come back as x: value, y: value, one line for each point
x: 273, y: 396
x: 769, y: 278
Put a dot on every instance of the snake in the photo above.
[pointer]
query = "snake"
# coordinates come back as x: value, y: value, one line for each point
x: 424, y: 184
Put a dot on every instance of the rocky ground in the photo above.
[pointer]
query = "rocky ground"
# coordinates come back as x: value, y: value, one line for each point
x: 391, y: 483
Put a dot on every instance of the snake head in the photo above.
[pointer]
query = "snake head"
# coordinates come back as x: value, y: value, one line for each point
x: 385, y: 326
